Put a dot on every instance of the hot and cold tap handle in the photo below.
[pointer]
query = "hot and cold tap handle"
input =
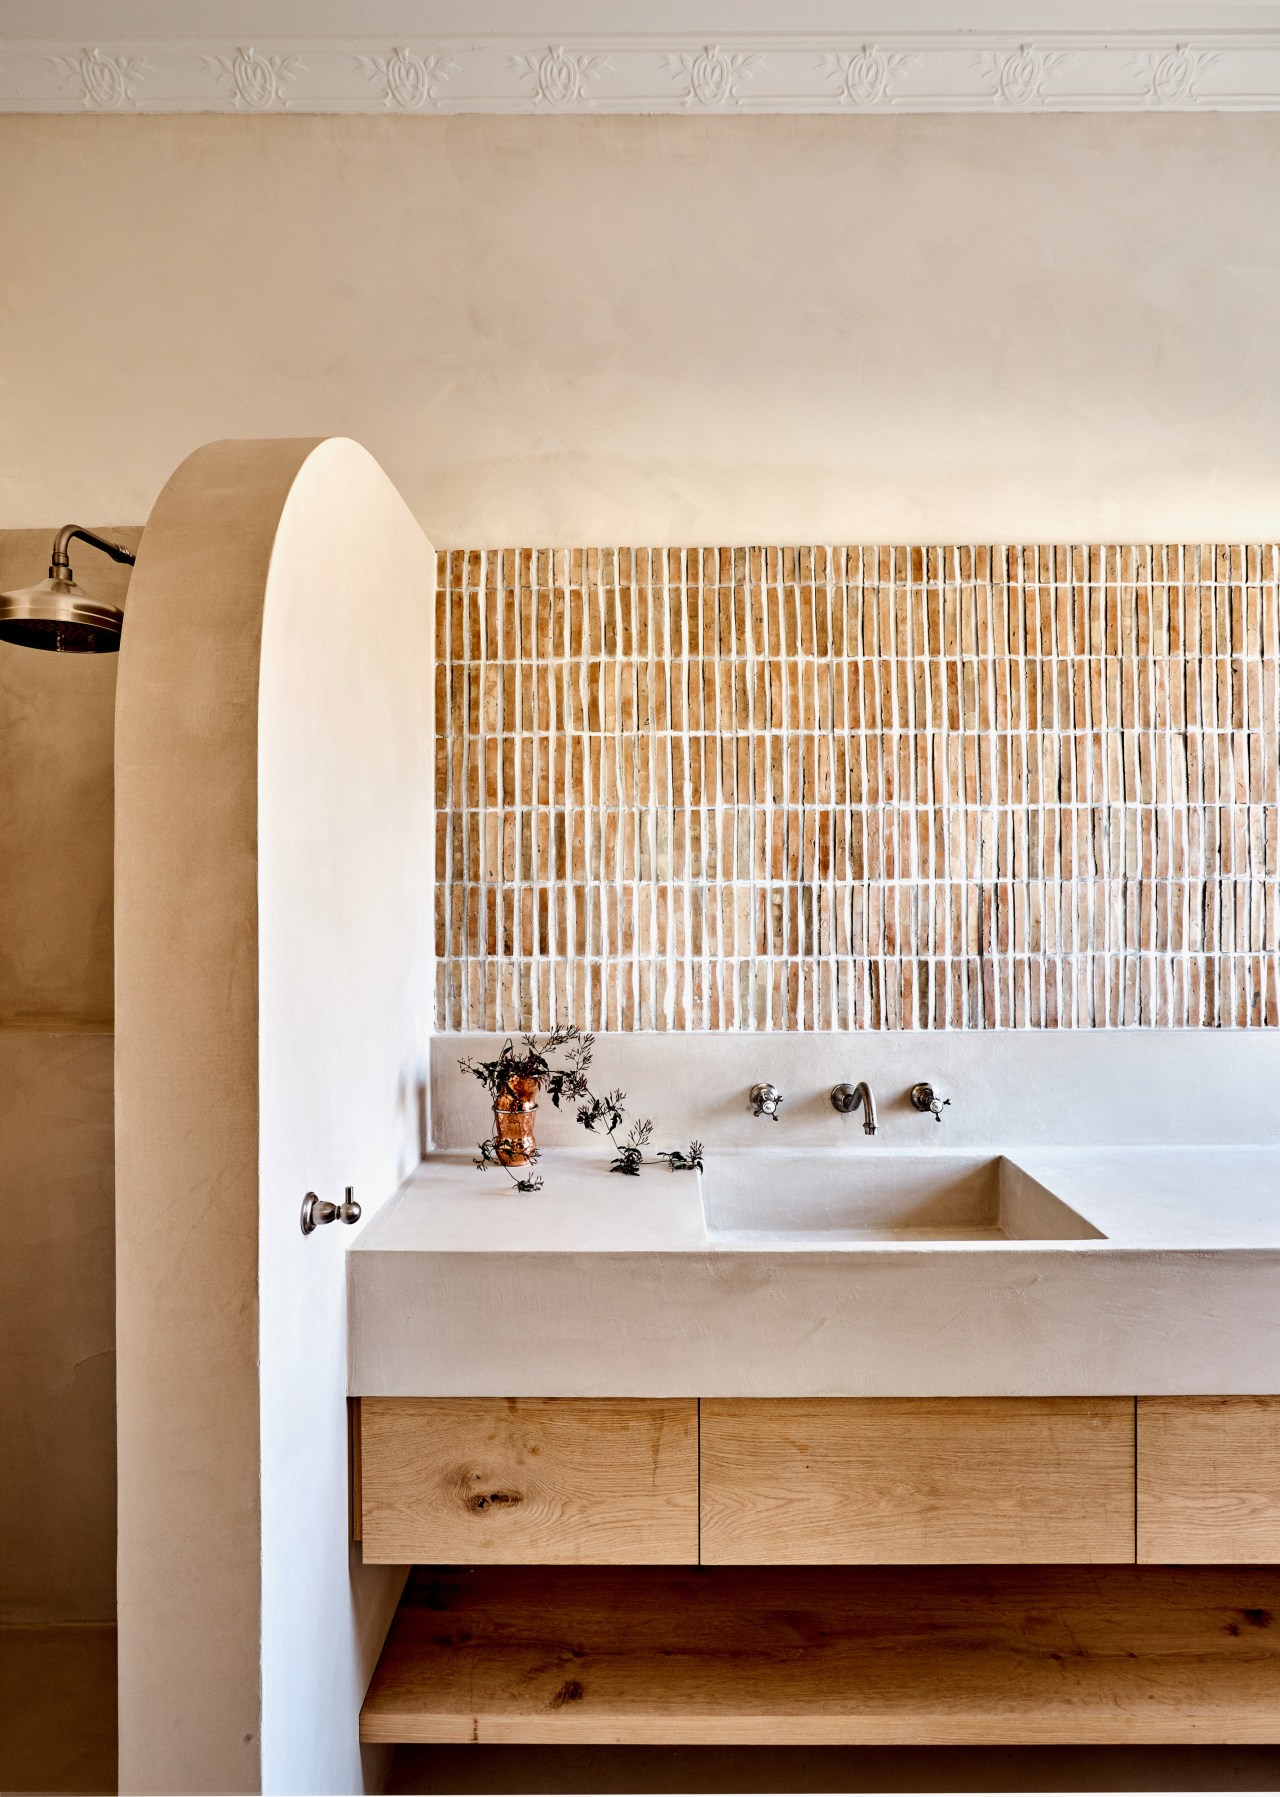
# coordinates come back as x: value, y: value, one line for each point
x: 925, y: 1099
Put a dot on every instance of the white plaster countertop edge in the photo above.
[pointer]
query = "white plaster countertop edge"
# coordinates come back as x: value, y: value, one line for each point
x: 601, y: 1285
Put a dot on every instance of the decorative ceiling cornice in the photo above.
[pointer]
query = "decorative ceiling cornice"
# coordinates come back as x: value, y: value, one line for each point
x: 906, y: 73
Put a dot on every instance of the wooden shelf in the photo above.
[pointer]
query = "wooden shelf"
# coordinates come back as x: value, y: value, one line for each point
x: 812, y: 1655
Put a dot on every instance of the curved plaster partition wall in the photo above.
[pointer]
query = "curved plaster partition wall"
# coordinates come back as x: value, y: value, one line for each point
x: 273, y: 903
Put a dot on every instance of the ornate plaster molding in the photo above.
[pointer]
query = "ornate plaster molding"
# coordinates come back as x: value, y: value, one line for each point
x: 1227, y: 71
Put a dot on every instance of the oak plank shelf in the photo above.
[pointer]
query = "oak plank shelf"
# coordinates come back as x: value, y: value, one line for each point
x: 1033, y: 1655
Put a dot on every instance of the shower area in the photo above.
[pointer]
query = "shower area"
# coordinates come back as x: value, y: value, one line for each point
x: 215, y: 979
x: 57, y: 1296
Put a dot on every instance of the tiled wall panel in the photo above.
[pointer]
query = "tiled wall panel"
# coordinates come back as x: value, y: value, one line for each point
x: 829, y: 788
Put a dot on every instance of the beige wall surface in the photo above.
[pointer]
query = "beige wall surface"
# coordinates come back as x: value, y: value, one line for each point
x: 57, y: 1293
x: 186, y: 1119
x: 57, y: 1328
x: 664, y: 330
x: 57, y: 718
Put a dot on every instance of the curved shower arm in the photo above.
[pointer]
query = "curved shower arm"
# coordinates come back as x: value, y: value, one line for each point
x: 116, y: 551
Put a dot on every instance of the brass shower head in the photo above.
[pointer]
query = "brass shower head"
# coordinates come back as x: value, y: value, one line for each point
x: 56, y: 614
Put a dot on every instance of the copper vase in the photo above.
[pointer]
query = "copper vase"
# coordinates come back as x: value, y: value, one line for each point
x: 514, y: 1109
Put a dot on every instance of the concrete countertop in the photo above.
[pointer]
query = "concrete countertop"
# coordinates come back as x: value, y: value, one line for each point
x: 601, y: 1285
x: 449, y: 1206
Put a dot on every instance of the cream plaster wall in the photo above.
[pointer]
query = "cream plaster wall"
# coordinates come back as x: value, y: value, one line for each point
x: 189, y: 1502
x: 273, y: 841
x: 640, y: 330
x: 345, y: 877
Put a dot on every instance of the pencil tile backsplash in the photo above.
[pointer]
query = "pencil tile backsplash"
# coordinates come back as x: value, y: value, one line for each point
x: 830, y: 788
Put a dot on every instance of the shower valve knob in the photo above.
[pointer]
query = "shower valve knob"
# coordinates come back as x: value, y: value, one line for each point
x: 316, y: 1211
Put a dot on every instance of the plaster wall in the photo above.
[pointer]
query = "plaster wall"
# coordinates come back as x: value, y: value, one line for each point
x: 273, y: 866
x: 57, y: 1297
x: 1008, y: 1088
x: 57, y: 716
x: 344, y: 871
x: 57, y: 1328
x: 728, y: 330
x: 186, y: 1131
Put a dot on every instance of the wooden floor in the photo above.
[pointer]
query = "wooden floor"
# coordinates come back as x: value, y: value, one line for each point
x: 58, y: 1708
x: 841, y: 1656
x: 600, y: 1771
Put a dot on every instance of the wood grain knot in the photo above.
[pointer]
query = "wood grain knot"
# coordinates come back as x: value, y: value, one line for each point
x: 571, y: 1691
x: 493, y: 1500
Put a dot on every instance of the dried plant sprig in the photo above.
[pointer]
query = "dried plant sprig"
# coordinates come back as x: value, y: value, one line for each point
x: 682, y: 1160
x: 606, y: 1111
x: 630, y: 1154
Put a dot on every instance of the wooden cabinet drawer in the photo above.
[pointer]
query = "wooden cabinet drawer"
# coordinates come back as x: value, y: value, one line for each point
x: 561, y: 1481
x: 879, y: 1481
x: 1209, y: 1480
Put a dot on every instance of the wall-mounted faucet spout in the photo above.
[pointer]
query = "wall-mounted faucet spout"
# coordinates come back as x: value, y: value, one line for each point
x: 848, y: 1099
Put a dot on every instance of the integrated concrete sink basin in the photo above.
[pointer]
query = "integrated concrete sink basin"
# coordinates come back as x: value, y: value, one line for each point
x: 848, y: 1271
x: 825, y: 1197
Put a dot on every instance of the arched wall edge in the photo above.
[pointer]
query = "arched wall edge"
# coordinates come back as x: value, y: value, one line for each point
x: 273, y: 924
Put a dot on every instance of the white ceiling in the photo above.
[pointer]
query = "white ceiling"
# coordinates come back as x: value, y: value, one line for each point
x: 730, y: 56
x: 554, y: 18
x: 92, y: 20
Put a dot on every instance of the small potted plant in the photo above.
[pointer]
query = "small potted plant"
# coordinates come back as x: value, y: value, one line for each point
x: 558, y: 1066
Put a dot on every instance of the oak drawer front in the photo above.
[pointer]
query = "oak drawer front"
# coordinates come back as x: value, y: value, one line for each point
x: 883, y: 1481
x: 557, y: 1481
x: 1209, y: 1481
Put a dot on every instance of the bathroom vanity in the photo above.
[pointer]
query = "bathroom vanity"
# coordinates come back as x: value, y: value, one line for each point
x: 967, y: 1433
x: 818, y: 1481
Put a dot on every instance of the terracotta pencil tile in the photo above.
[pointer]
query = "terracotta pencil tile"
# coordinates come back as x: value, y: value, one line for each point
x: 845, y: 787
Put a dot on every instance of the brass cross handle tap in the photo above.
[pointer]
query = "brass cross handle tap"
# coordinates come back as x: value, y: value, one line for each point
x: 765, y: 1101
x: 925, y: 1099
